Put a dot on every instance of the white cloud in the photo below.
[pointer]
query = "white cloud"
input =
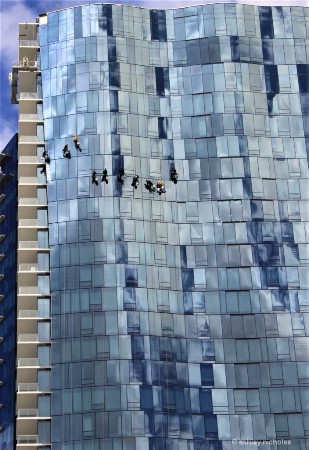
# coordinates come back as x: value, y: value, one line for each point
x: 10, y: 16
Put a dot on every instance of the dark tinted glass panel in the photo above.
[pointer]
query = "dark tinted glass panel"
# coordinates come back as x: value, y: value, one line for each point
x: 137, y: 347
x: 211, y: 429
x: 162, y: 80
x: 114, y: 75
x: 207, y: 375
x: 234, y: 40
x: 159, y: 80
x: 78, y: 28
x: 111, y: 45
x: 106, y: 20
x: 146, y: 397
x: 162, y: 127
x: 205, y: 401
x: 303, y: 77
x: 266, y: 22
x: 158, y: 25
x: 131, y: 277
x: 268, y: 52
x: 271, y: 79
x: 187, y: 279
x: 114, y: 101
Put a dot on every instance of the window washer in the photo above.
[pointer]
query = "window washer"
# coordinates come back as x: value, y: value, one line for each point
x: 174, y: 176
x: 76, y: 143
x: 121, y: 175
x: 135, y: 181
x: 160, y: 187
x: 94, y: 178
x: 66, y: 152
x: 150, y: 186
x: 104, y: 176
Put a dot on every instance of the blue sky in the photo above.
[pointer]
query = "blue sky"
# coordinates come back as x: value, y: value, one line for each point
x: 14, y: 11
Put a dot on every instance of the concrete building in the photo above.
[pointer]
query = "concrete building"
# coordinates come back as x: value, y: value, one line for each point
x: 162, y: 320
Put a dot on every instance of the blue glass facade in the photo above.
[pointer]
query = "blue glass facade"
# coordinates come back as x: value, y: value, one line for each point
x: 178, y: 320
x: 8, y: 248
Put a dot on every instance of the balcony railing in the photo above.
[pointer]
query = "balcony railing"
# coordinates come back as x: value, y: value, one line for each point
x: 30, y: 290
x: 28, y: 96
x: 28, y: 244
x: 29, y: 117
x: 28, y: 139
x: 24, y: 63
x: 24, y: 314
x: 28, y: 338
x: 30, y: 159
x: 28, y: 439
x: 28, y: 267
x: 28, y: 180
x: 28, y: 201
x: 27, y: 412
x: 28, y: 387
x: 28, y: 43
x: 27, y: 362
x: 28, y: 222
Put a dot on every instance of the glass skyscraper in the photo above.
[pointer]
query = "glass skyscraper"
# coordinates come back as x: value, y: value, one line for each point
x: 178, y: 319
x: 8, y: 242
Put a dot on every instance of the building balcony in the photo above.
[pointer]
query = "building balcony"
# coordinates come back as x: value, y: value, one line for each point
x: 28, y: 139
x: 28, y: 314
x: 30, y: 247
x: 29, y: 117
x: 28, y: 290
x: 27, y: 439
x: 30, y: 160
x: 28, y: 96
x: 28, y: 43
x: 28, y: 387
x: 28, y: 244
x: 25, y: 63
x: 36, y: 446
x: 2, y: 217
x: 29, y: 180
x: 27, y: 412
x: 28, y: 338
x: 29, y: 201
x: 32, y: 223
x: 2, y: 236
x: 28, y: 268
x: 2, y: 197
x: 27, y: 223
x: 27, y: 362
